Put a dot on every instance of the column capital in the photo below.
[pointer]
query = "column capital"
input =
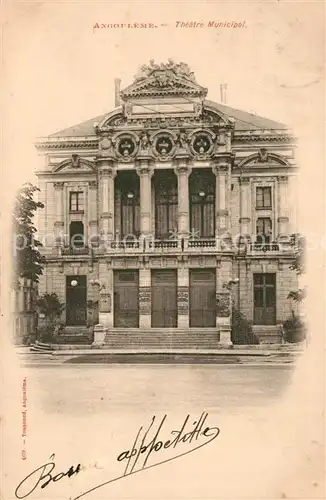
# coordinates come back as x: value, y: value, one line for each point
x: 58, y: 185
x: 108, y: 173
x: 144, y: 168
x: 182, y: 167
x: 92, y: 185
x: 282, y: 178
x: 244, y: 180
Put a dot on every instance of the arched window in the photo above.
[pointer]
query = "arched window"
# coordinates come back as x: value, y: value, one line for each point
x: 202, y: 203
x: 166, y: 204
x: 128, y: 184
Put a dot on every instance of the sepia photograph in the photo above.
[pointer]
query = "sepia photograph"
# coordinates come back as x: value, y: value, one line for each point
x: 158, y: 327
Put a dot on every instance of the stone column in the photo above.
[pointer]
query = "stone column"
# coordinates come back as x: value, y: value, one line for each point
x: 145, y: 309
x: 59, y: 221
x: 245, y: 207
x: 283, y: 218
x: 183, y: 296
x: 145, y: 173
x: 183, y: 171
x: 107, y: 173
x: 222, y: 172
x: 92, y: 212
x: 224, y: 302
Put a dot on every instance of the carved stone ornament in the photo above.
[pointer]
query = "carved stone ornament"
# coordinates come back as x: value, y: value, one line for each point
x: 179, y: 69
x: 75, y: 161
x: 223, y: 304
x: 263, y: 156
x: 164, y: 145
x: 126, y: 147
x: 201, y: 144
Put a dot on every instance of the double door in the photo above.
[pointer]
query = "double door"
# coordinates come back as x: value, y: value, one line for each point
x: 126, y: 299
x: 202, y: 298
x: 164, y: 298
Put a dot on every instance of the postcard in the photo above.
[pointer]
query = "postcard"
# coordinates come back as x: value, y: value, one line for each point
x: 163, y: 250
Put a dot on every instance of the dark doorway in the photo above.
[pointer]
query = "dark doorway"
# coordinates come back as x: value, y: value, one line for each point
x: 166, y: 204
x: 202, y: 298
x: 127, y: 188
x: 76, y: 234
x: 76, y: 300
x: 265, y: 299
x: 164, y: 298
x: 202, y: 203
x: 126, y: 299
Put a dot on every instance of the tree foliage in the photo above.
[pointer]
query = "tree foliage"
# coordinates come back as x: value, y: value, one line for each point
x: 29, y: 261
x: 298, y: 265
x: 50, y: 305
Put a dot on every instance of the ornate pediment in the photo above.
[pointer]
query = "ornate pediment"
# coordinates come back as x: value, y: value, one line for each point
x: 166, y: 79
x: 75, y: 164
x: 263, y: 159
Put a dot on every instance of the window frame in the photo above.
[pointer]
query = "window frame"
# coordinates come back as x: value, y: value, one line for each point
x: 77, y: 194
x: 264, y: 189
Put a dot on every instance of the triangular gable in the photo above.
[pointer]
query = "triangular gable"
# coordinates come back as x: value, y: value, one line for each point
x: 170, y: 79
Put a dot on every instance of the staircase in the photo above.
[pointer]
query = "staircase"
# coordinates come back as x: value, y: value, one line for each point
x: 162, y: 338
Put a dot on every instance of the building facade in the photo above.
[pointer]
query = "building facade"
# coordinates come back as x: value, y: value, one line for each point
x: 163, y: 213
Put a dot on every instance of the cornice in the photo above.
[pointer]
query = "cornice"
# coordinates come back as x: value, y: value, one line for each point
x: 86, y: 142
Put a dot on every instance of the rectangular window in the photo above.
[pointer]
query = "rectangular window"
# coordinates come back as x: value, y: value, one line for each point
x: 264, y: 197
x: 76, y: 201
x: 263, y: 230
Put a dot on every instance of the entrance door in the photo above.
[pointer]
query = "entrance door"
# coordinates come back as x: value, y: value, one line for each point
x: 164, y: 298
x: 76, y: 300
x: 202, y: 298
x: 265, y: 299
x: 126, y: 299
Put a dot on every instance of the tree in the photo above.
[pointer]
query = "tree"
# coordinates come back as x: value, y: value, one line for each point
x: 298, y: 266
x: 29, y: 261
x: 50, y: 306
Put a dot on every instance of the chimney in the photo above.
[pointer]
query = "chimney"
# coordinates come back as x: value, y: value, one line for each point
x: 223, y: 88
x: 117, y: 84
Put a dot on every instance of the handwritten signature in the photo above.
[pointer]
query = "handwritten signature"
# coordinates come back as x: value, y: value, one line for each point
x: 201, y: 434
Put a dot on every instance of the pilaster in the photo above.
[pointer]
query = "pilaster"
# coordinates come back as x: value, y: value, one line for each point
x: 59, y: 204
x: 92, y: 210
x: 183, y: 296
x: 106, y: 295
x: 224, y: 302
x: 283, y: 219
x: 107, y: 173
x: 245, y: 206
x: 145, y: 308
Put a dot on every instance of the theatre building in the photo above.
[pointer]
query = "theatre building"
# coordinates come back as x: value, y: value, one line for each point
x: 166, y: 212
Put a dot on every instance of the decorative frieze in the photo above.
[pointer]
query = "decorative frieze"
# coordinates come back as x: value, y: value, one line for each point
x: 145, y: 300
x: 105, y: 302
x: 223, y: 304
x: 183, y: 300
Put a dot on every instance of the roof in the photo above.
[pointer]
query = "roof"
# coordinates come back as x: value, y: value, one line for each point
x: 243, y: 121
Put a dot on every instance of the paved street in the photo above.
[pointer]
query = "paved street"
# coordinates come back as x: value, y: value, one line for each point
x: 90, y: 413
x: 72, y: 389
